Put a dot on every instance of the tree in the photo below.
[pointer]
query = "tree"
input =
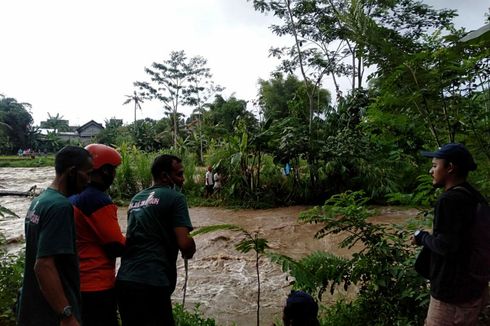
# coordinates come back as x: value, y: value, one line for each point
x: 137, y: 100
x: 16, y: 115
x: 55, y: 122
x: 340, y: 39
x: 114, y: 133
x: 175, y: 82
x: 202, y: 88
x: 286, y: 97
x: 222, y: 116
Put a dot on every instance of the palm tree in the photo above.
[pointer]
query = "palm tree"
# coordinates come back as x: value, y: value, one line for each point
x: 137, y: 102
x: 56, y: 122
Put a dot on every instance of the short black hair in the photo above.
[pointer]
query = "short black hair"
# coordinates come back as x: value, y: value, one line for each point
x: 300, y: 310
x: 70, y: 156
x: 163, y: 163
x: 461, y: 170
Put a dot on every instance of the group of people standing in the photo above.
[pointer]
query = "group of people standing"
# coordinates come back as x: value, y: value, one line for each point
x: 212, y: 182
x: 73, y: 238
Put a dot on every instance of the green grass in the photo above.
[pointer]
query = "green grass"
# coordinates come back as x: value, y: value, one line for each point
x: 26, y: 162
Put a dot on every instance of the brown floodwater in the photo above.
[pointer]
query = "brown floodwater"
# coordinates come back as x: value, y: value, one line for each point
x: 221, y: 280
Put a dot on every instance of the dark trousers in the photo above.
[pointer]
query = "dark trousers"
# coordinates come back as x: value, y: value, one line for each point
x: 144, y: 305
x: 99, y: 308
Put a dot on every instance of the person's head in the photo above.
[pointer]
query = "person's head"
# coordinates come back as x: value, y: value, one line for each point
x: 105, y: 160
x: 73, y: 165
x: 168, y: 170
x: 450, y: 162
x: 301, y: 309
x: 210, y: 168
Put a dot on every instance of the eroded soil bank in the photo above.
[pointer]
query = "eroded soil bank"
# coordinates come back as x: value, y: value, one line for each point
x: 221, y: 280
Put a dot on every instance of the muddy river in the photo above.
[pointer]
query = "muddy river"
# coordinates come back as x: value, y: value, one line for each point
x: 221, y: 280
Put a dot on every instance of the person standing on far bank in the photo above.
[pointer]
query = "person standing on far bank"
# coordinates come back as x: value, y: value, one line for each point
x: 158, y: 228
x: 50, y: 292
x: 99, y: 239
x: 209, y: 181
x: 456, y: 298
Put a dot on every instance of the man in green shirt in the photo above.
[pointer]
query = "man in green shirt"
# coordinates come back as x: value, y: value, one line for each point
x: 51, y: 287
x: 158, y: 228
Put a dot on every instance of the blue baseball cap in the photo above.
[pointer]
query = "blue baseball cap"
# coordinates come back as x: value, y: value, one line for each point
x: 455, y: 153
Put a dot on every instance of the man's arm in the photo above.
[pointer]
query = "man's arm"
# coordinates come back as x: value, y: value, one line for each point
x: 449, y: 224
x: 185, y: 242
x: 50, y: 286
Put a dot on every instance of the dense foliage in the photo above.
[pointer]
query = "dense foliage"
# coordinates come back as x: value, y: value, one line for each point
x: 15, y: 125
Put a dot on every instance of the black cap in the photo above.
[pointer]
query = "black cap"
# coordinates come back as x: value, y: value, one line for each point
x: 455, y: 153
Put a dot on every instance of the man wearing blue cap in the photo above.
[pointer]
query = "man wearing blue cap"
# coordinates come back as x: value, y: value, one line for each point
x: 456, y: 297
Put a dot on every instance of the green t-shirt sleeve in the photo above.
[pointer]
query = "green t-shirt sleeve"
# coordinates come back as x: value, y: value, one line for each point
x: 181, y: 213
x: 56, y: 236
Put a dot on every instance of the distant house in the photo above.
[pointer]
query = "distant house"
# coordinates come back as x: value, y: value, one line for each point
x: 83, y: 134
x: 88, y: 131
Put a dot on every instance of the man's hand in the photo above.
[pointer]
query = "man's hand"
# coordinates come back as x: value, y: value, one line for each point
x: 185, y: 242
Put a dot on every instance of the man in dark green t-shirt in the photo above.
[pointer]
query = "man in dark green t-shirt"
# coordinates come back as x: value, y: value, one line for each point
x: 158, y: 227
x: 51, y: 287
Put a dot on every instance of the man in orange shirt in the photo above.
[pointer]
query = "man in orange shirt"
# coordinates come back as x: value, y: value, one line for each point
x: 99, y: 239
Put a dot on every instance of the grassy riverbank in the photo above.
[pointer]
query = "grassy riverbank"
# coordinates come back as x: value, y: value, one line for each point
x: 26, y: 162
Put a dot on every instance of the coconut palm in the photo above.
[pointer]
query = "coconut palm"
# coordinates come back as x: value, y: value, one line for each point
x: 137, y: 102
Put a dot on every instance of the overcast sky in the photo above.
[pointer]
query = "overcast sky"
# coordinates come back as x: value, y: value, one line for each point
x: 79, y: 58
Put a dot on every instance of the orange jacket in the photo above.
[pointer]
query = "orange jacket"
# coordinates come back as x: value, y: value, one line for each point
x: 97, y: 226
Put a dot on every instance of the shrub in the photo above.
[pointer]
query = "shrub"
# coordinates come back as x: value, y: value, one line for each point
x: 11, y: 271
x: 183, y: 317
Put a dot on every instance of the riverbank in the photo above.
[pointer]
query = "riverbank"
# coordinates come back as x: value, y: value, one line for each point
x: 26, y: 161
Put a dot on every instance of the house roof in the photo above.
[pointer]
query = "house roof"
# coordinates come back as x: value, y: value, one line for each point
x: 482, y: 32
x: 89, y: 124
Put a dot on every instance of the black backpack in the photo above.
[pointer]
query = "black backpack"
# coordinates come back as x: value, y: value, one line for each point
x: 479, y: 267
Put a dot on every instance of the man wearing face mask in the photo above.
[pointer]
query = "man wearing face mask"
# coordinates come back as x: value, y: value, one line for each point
x: 158, y: 228
x: 50, y: 292
x: 99, y: 239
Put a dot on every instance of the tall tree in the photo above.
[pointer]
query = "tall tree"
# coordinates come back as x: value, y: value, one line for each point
x: 175, y: 82
x: 201, y: 89
x: 137, y: 100
x: 17, y: 116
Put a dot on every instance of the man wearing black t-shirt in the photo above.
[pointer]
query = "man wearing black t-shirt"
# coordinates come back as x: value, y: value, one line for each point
x: 456, y: 297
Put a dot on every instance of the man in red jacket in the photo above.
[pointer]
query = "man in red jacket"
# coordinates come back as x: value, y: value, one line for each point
x: 99, y: 239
